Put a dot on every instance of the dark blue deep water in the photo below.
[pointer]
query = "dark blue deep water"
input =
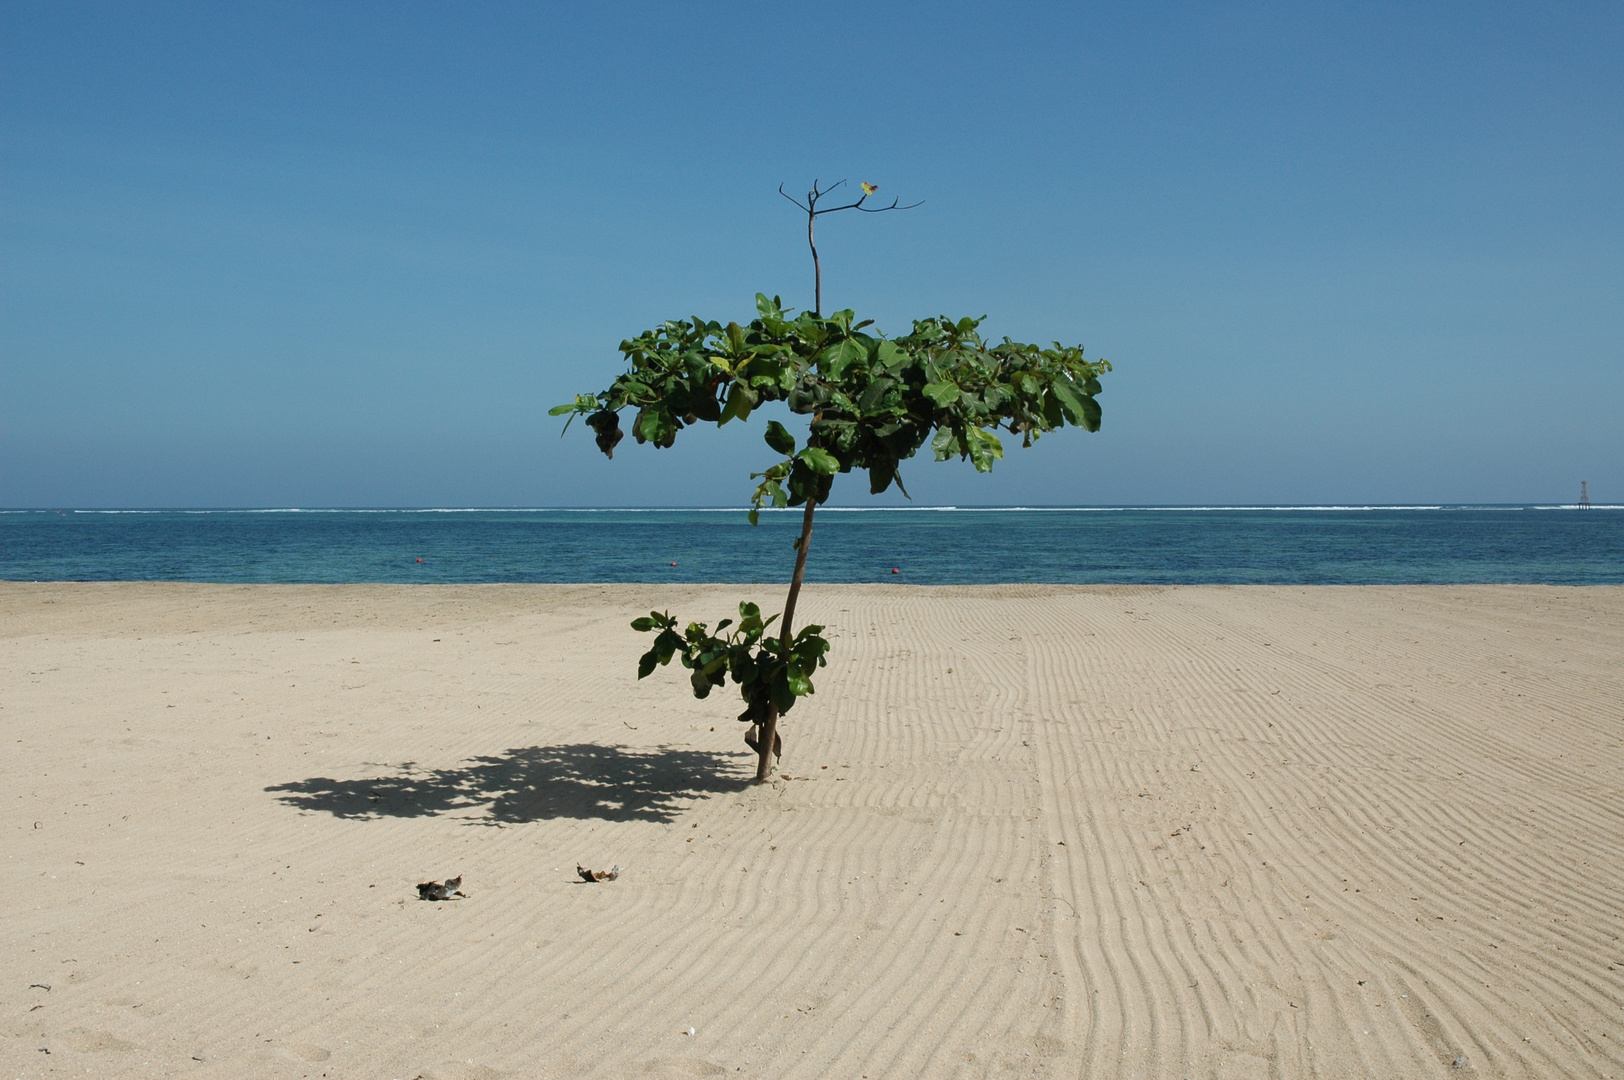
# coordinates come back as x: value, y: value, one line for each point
x: 1443, y: 545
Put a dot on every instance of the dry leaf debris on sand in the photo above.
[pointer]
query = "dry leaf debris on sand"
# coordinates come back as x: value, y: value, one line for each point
x: 441, y: 890
x: 597, y: 875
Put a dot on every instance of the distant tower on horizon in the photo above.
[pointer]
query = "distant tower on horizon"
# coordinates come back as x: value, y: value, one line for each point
x: 1584, y: 494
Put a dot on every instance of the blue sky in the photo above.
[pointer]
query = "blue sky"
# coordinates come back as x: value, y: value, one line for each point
x: 348, y: 255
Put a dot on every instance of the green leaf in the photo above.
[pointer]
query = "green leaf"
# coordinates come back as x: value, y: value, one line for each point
x: 944, y: 394
x: 839, y: 357
x: 706, y: 408
x: 890, y: 357
x: 646, y: 665
x: 874, y: 392
x: 654, y: 424
x: 740, y: 400
x: 783, y: 693
x: 799, y: 684
x: 807, y: 395
x: 984, y: 449
x: 779, y: 438
x: 1053, y: 415
x: 1070, y: 401
x: 820, y: 461
x: 644, y: 625
x: 666, y: 645
x: 1091, y: 414
x: 584, y: 403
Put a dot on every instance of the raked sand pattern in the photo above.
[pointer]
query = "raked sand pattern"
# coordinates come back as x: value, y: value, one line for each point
x: 1020, y: 831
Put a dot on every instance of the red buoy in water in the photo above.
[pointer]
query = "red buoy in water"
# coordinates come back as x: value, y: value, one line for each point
x: 673, y: 564
x: 894, y: 570
x: 420, y: 560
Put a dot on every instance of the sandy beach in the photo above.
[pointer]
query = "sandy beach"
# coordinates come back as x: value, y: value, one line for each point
x: 1127, y: 832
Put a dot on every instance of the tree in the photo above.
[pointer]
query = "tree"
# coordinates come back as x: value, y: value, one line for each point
x: 873, y: 401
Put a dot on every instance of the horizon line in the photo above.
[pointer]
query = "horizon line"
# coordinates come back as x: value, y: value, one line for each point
x: 945, y: 508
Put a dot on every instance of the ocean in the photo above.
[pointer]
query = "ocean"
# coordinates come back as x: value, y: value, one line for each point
x: 1359, y: 545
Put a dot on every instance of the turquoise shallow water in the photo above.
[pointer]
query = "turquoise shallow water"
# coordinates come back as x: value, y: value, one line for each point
x: 1382, y: 545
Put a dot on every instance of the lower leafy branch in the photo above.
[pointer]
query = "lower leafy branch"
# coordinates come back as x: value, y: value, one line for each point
x: 768, y: 672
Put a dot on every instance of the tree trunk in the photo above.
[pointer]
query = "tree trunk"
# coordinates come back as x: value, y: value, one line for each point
x: 769, y: 730
x: 817, y: 267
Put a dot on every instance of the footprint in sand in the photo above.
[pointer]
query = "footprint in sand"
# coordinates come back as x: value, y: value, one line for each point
x: 90, y: 1042
x: 305, y: 1052
x: 682, y: 1068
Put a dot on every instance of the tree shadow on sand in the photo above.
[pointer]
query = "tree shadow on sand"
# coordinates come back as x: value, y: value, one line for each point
x: 533, y: 783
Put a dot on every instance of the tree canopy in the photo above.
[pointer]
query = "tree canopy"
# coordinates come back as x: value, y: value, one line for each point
x: 874, y: 401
